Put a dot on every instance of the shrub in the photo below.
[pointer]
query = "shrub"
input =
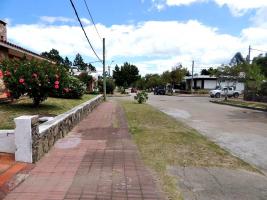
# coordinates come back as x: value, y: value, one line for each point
x: 74, y: 88
x: 141, y: 97
x: 110, y: 85
x: 33, y: 78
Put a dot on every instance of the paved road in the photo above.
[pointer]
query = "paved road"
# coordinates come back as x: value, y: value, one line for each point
x: 242, y: 131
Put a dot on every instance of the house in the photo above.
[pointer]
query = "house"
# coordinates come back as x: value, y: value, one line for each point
x: 12, y: 51
x: 207, y: 82
x: 92, y: 83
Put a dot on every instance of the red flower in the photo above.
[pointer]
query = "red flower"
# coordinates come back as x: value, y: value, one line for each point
x: 7, y: 74
x: 56, y: 86
x: 21, y: 80
x: 56, y: 82
x: 1, y: 74
x: 34, y: 75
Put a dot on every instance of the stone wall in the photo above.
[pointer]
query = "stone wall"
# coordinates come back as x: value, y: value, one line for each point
x: 43, y: 137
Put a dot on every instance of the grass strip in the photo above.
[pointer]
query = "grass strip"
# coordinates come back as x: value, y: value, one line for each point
x: 164, y: 141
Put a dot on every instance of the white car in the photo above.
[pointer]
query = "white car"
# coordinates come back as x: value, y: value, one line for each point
x: 217, y: 93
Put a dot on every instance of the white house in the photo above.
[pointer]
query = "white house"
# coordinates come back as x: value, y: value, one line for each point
x: 211, y: 82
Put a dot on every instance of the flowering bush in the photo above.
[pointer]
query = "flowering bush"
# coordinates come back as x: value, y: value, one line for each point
x: 33, y: 78
x: 73, y: 88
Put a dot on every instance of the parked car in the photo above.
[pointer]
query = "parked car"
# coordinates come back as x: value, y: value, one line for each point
x: 217, y: 93
x: 133, y: 90
x: 160, y: 90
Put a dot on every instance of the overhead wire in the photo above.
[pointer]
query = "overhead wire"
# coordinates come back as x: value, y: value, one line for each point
x: 76, y: 13
x: 92, y: 19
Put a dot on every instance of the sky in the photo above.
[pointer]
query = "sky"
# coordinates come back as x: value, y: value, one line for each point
x: 154, y: 35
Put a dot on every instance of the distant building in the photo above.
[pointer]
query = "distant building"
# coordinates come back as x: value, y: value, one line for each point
x: 211, y: 82
x: 12, y: 51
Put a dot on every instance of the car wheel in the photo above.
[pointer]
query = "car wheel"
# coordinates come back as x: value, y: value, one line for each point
x: 236, y: 95
x: 217, y: 95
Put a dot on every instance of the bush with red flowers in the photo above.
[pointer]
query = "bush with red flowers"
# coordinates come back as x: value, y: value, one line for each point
x: 33, y: 78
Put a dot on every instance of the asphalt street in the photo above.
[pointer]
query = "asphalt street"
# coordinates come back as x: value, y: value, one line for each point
x: 241, y: 131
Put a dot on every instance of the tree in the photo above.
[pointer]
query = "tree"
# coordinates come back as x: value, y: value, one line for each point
x: 205, y: 72
x: 177, y: 75
x: 238, y: 59
x: 67, y: 63
x: 78, y: 61
x: 54, y: 55
x: 153, y: 80
x: 91, y: 67
x: 126, y: 75
x: 261, y: 61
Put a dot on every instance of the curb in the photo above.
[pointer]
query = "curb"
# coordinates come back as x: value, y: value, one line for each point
x: 239, y: 106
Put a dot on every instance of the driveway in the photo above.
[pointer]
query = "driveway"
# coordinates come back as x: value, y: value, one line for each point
x: 241, y: 131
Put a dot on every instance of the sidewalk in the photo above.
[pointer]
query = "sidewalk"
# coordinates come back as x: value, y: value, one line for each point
x: 97, y: 160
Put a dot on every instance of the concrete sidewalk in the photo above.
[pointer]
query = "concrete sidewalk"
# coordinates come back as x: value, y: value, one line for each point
x: 97, y: 160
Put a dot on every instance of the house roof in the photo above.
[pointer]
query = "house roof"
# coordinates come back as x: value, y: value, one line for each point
x: 2, y: 22
x: 205, y: 77
x: 21, y: 49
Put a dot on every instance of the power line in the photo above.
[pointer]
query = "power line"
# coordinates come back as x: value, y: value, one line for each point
x: 76, y: 13
x: 258, y: 50
x: 92, y: 18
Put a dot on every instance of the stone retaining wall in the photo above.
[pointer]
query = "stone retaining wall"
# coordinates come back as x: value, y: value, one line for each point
x: 44, y: 136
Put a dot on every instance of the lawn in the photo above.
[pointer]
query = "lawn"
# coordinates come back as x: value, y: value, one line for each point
x: 246, y: 103
x: 163, y: 142
x: 50, y: 107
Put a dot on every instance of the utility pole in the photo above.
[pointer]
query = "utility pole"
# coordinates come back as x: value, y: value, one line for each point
x: 192, y: 79
x: 249, y: 54
x: 104, y: 71
x: 109, y: 70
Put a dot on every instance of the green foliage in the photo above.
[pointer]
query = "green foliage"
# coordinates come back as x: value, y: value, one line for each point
x: 36, y: 79
x: 110, y: 85
x: 126, y: 75
x: 53, y: 55
x: 78, y: 61
x: 74, y: 89
x: 141, y: 97
x: 262, y: 62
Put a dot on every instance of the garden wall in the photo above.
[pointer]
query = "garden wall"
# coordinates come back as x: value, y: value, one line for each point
x: 7, y: 141
x: 35, y: 140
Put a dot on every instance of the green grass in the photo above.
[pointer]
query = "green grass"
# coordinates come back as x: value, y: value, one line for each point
x: 50, y: 107
x: 164, y: 142
x: 246, y: 103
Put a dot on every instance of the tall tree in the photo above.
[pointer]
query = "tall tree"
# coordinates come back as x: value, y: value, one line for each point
x: 177, y: 74
x: 238, y: 59
x: 54, y: 55
x: 67, y: 63
x: 78, y: 61
x: 126, y: 75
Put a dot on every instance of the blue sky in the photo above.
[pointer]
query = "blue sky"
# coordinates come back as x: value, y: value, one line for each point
x: 153, y: 34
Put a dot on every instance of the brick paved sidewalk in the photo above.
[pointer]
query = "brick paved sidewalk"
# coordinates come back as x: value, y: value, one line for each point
x: 97, y: 160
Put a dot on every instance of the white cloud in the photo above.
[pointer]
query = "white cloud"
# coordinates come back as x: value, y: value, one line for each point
x: 237, y: 7
x: 52, y: 20
x: 182, y: 2
x: 154, y: 45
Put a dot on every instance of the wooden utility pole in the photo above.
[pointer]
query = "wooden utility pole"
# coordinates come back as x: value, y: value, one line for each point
x: 104, y: 70
x: 192, y: 79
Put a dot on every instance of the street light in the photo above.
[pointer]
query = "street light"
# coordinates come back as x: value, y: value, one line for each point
x: 109, y: 67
